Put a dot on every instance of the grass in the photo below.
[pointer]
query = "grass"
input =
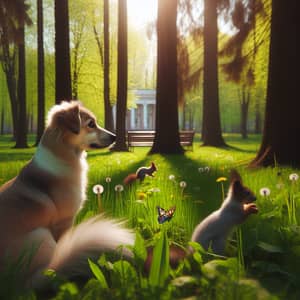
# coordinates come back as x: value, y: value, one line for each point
x: 264, y: 252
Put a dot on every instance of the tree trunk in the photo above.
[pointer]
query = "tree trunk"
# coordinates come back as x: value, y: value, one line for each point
x: 41, y: 73
x: 63, y: 90
x: 258, y: 121
x: 166, y: 138
x: 21, y: 132
x: 12, y: 91
x: 8, y: 65
x: 280, y: 143
x: 120, y: 144
x: 244, y: 105
x: 2, y: 121
x: 211, y: 125
x: 108, y: 116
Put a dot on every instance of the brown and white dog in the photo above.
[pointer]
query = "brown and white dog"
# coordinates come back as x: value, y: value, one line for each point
x: 37, y: 208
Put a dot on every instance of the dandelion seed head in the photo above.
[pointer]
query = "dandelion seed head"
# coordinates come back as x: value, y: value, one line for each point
x: 294, y: 177
x: 172, y: 177
x: 200, y: 170
x: 98, y: 189
x: 108, y: 179
x: 119, y: 188
x: 265, y: 191
x: 182, y: 184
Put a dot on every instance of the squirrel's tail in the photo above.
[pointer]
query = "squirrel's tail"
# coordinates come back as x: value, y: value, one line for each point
x: 130, y: 179
x: 88, y: 240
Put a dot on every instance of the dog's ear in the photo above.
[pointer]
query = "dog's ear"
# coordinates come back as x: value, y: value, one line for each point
x: 235, y: 177
x: 70, y: 119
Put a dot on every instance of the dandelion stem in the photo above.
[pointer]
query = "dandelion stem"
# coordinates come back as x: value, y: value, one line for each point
x: 99, y: 203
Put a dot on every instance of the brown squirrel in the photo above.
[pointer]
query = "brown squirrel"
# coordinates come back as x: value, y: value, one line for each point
x: 216, y: 227
x: 140, y: 174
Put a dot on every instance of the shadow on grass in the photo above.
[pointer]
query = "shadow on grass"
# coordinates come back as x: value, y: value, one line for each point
x: 202, y: 190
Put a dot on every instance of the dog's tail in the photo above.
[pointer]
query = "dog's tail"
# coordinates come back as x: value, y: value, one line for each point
x: 88, y: 240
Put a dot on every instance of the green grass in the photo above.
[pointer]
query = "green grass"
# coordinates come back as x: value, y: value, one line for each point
x: 265, y: 251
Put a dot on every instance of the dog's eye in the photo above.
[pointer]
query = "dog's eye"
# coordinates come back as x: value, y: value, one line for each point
x: 91, y: 124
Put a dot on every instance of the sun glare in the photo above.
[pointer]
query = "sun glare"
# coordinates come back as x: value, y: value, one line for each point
x: 141, y: 12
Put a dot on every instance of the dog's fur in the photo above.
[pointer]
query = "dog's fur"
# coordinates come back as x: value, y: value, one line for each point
x: 37, y: 208
x: 238, y: 205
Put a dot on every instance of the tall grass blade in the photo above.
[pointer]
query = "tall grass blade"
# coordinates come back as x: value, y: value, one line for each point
x: 160, y: 264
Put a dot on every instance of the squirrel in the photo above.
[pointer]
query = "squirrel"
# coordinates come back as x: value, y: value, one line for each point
x: 140, y: 174
x: 216, y: 227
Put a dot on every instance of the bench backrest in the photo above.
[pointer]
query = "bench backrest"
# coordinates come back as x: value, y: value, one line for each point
x: 145, y: 138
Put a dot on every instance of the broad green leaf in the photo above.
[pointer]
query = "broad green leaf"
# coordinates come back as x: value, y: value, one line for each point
x: 269, y: 248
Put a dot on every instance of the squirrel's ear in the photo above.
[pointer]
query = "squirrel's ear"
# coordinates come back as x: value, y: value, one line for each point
x: 235, y: 176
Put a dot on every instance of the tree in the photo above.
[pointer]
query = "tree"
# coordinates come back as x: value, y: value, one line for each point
x: 21, y: 132
x: 13, y: 18
x: 63, y: 90
x: 108, y: 117
x: 244, y: 99
x: 280, y: 143
x: 104, y: 52
x: 79, y: 17
x: 211, y: 124
x: 166, y: 138
x: 41, y: 72
x: 120, y: 144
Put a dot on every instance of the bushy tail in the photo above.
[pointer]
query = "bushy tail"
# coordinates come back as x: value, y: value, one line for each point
x: 88, y: 240
x: 130, y: 179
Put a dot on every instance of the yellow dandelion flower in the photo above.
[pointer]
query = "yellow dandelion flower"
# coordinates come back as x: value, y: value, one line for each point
x: 221, y: 179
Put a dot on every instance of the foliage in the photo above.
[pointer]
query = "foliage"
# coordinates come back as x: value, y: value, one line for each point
x: 264, y: 259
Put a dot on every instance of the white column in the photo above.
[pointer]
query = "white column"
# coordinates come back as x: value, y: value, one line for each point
x: 132, y: 118
x: 145, y: 110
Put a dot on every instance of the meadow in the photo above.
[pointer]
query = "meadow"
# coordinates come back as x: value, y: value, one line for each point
x: 263, y: 254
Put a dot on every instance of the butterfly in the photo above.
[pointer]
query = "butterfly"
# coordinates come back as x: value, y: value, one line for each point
x: 165, y: 215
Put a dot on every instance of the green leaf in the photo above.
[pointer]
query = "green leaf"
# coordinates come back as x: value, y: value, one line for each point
x: 125, y: 274
x: 159, y: 270
x: 139, y: 250
x: 269, y: 248
x: 98, y: 274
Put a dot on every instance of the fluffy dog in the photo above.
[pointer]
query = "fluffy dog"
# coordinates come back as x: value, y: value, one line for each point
x: 37, y: 208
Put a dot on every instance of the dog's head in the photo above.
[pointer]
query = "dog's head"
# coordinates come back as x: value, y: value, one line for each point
x: 79, y: 126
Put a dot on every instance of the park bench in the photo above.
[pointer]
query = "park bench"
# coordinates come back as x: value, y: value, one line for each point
x: 144, y: 138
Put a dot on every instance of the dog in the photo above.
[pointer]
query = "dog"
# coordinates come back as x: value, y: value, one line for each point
x: 37, y: 208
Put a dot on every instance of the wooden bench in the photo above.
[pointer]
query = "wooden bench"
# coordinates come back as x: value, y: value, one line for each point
x: 145, y: 138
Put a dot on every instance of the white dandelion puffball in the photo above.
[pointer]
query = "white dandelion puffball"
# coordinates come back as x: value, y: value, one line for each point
x: 119, y: 188
x: 182, y: 184
x: 265, y: 191
x: 98, y: 189
x: 172, y: 177
x: 294, y: 177
x: 200, y: 170
x: 108, y: 179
